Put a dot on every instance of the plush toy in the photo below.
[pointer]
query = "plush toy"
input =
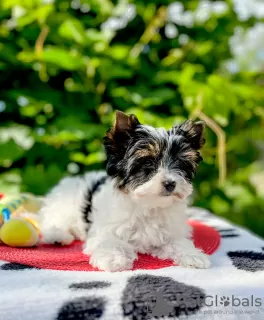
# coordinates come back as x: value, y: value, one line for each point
x: 18, y: 228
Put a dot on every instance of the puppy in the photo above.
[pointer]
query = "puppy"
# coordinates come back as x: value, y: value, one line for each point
x: 138, y: 205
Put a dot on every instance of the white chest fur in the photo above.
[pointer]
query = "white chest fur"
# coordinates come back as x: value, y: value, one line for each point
x: 143, y: 227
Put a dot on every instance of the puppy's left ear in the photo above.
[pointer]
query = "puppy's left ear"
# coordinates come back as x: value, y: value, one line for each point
x: 194, y: 132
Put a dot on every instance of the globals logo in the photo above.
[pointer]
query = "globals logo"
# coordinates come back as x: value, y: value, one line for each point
x: 232, y: 301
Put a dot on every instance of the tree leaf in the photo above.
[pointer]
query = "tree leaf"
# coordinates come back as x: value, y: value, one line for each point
x: 73, y: 29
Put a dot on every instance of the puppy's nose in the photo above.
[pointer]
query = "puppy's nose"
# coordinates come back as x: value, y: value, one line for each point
x: 169, y: 185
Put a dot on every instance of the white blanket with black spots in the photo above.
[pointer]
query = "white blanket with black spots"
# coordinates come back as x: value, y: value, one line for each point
x: 233, y: 288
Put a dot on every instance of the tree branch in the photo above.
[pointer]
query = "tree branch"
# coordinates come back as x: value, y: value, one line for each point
x: 39, y: 49
x: 221, y: 138
x: 157, y: 22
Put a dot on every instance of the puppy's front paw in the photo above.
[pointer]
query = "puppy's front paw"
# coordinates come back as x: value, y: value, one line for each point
x: 197, y: 260
x: 111, y: 261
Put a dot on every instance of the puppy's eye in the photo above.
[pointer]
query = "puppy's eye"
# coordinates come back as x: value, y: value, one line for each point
x: 148, y: 163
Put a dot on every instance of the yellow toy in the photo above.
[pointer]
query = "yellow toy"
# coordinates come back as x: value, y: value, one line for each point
x: 18, y: 227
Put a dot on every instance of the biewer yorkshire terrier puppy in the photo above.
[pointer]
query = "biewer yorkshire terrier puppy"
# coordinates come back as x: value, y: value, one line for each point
x: 138, y: 205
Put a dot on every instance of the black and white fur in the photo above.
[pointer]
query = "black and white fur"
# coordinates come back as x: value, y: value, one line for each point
x: 138, y: 205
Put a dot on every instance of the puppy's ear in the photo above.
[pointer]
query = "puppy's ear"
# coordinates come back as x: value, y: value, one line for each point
x: 117, y: 139
x: 124, y: 123
x: 194, y: 132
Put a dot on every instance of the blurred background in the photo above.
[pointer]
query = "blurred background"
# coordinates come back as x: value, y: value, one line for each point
x: 65, y: 66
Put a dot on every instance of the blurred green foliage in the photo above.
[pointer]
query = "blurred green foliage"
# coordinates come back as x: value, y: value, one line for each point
x: 64, y: 72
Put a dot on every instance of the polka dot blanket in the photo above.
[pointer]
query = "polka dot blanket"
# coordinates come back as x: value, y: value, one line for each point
x: 57, y: 283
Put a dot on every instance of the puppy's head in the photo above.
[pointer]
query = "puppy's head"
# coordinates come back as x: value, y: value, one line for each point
x: 154, y: 166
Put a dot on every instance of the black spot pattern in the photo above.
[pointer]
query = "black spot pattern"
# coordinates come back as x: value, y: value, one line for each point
x: 228, y: 233
x: 247, y: 260
x: 227, y: 230
x: 82, y: 309
x: 90, y: 285
x: 16, y: 266
x: 146, y: 296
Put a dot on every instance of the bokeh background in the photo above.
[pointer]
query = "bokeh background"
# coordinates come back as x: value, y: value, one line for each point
x: 65, y: 66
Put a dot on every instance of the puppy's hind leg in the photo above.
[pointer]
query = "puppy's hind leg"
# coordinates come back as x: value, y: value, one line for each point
x: 61, y: 217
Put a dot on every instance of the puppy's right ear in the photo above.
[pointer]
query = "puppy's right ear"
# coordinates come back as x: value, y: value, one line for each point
x: 117, y: 139
x: 124, y: 123
x: 123, y: 127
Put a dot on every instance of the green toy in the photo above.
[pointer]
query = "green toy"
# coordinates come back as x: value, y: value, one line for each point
x: 19, y: 229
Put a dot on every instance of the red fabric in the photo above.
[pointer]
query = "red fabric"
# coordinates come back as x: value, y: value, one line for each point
x: 72, y: 258
x: 1, y: 195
